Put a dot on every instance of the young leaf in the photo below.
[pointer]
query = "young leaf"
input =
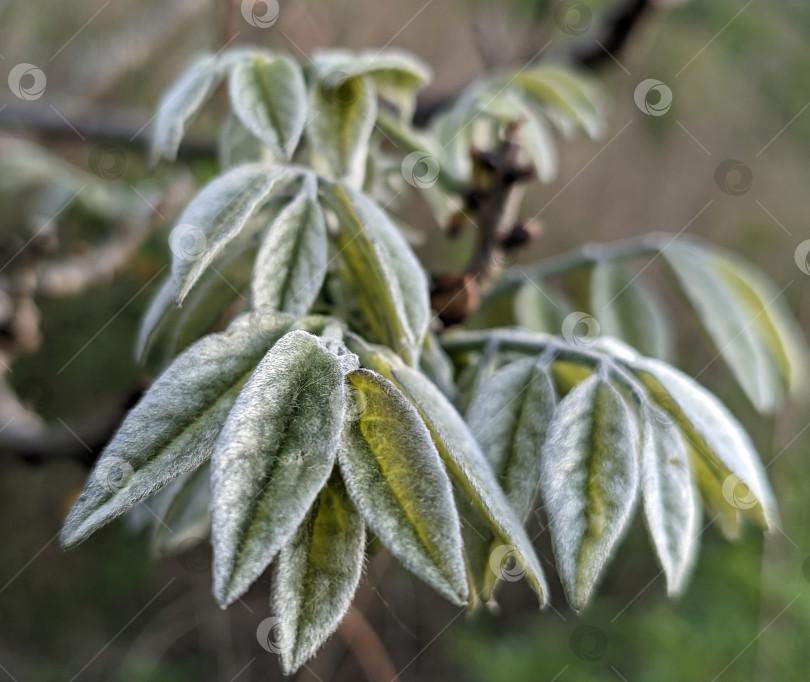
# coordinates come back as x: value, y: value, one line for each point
x: 268, y: 95
x: 396, y: 479
x: 174, y: 427
x: 217, y: 216
x: 470, y: 471
x: 570, y: 95
x: 671, y: 506
x: 291, y: 263
x: 589, y: 482
x: 396, y: 74
x: 627, y: 309
x: 733, y: 326
x: 316, y: 574
x: 508, y: 416
x: 339, y: 126
x: 274, y: 455
x: 769, y: 315
x: 716, y: 436
x: 182, y: 102
x: 377, y: 258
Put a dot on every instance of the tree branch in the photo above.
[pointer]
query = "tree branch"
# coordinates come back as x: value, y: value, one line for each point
x: 619, y: 26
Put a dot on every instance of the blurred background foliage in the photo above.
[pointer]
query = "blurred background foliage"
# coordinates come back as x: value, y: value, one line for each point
x: 739, y: 74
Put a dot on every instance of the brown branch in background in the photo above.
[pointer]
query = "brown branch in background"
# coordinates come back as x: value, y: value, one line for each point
x: 620, y: 24
x: 367, y: 648
x: 490, y: 208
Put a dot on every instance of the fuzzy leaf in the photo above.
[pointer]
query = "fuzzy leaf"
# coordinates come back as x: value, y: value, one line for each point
x: 317, y: 573
x: 396, y: 74
x: 538, y: 143
x: 671, y: 505
x: 182, y: 102
x: 732, y: 324
x: 269, y: 96
x: 274, y: 455
x: 470, y: 471
x: 570, y: 95
x: 291, y: 263
x: 726, y: 452
x: 217, y: 216
x: 175, y: 425
x: 508, y: 416
x: 378, y: 259
x: 341, y: 118
x: 396, y: 479
x: 627, y: 309
x: 589, y: 483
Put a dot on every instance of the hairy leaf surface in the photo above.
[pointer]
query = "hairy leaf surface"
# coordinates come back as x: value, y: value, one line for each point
x: 175, y: 425
x: 316, y: 574
x: 268, y: 94
x: 397, y: 480
x: 291, y: 263
x: 589, y: 483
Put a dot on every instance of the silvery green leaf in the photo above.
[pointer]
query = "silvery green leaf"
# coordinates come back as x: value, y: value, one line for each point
x: 217, y: 216
x: 471, y: 473
x: 187, y: 519
x: 173, y: 428
x: 538, y: 143
x: 628, y: 309
x: 291, y: 263
x: 671, y: 505
x: 273, y: 456
x: 720, y: 442
x: 316, y: 574
x: 182, y: 102
x: 589, y: 483
x: 341, y: 118
x: 770, y: 318
x: 396, y: 479
x: 269, y: 96
x: 376, y: 258
x: 508, y: 416
x: 571, y: 95
x: 731, y: 324
x: 396, y: 74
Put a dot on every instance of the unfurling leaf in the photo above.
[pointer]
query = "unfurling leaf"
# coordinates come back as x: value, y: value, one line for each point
x: 175, y: 425
x: 341, y: 117
x: 274, y: 455
x: 269, y: 96
x: 671, y: 504
x: 291, y: 263
x: 589, y: 483
x: 396, y: 479
x: 217, y: 216
x: 316, y: 574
